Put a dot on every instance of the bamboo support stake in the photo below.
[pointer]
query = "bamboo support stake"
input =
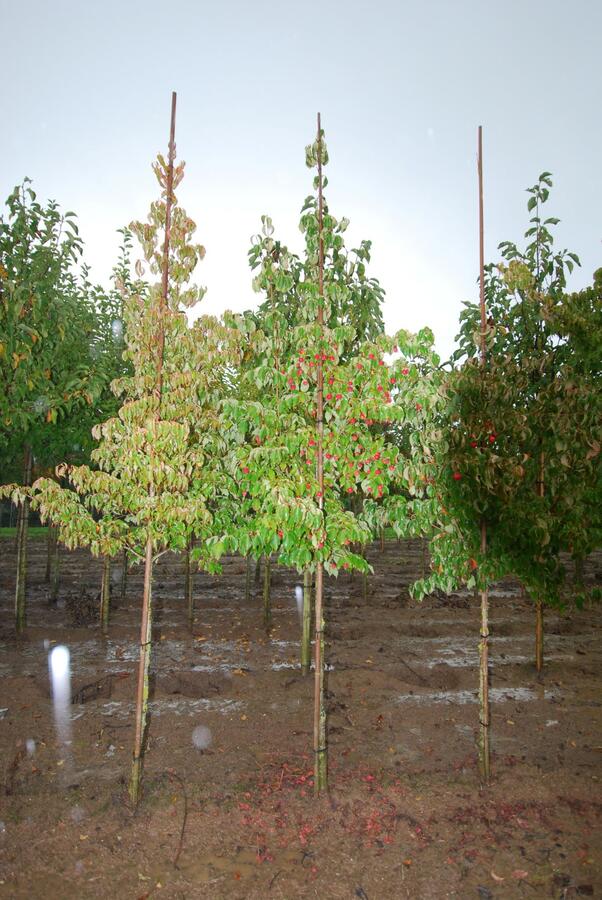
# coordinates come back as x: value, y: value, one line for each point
x: 539, y: 623
x: 124, y: 575
x: 22, y: 530
x: 267, y: 599
x: 49, y: 545
x: 146, y: 623
x: 320, y: 745
x: 306, y: 626
x: 484, y: 711
x: 189, y: 586
x: 105, y: 594
x: 248, y: 581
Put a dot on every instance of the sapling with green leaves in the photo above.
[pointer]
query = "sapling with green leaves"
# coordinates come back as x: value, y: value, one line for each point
x: 46, y: 324
x: 308, y: 445
x: 546, y: 379
x: 150, y: 491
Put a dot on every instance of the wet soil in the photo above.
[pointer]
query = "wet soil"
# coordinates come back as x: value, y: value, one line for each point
x: 236, y: 818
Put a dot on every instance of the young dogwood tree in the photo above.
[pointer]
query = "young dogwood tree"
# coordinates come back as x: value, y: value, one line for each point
x: 153, y: 481
x: 308, y: 444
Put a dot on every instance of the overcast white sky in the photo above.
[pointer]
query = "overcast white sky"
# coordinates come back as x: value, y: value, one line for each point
x: 402, y: 86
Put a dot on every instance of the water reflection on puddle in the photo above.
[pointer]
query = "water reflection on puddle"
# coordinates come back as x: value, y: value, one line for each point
x: 182, y: 706
x: 496, y: 695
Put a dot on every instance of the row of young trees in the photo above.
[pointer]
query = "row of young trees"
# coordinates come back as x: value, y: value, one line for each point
x: 301, y: 429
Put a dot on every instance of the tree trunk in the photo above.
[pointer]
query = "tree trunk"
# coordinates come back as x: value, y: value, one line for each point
x: 54, y: 568
x: 539, y: 635
x: 22, y: 529
x: 484, y: 712
x: 248, y: 581
x: 105, y: 594
x: 257, y: 571
x: 306, y: 629
x: 320, y: 745
x: 143, y: 676
x: 382, y: 540
x: 49, y: 549
x: 124, y: 575
x: 189, y: 586
x: 541, y: 487
x: 267, y: 601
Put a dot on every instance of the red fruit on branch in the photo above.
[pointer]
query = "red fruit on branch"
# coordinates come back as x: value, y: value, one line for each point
x: 457, y: 476
x: 492, y: 438
x: 473, y: 444
x: 405, y: 371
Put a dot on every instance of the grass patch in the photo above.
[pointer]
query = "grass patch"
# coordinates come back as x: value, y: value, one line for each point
x: 34, y: 531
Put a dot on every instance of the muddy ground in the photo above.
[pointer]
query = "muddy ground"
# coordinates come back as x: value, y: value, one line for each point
x: 406, y: 816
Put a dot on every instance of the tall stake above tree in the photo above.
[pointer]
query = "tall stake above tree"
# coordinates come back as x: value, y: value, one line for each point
x: 158, y: 459
x: 146, y: 623
x: 320, y: 750
x: 484, y: 714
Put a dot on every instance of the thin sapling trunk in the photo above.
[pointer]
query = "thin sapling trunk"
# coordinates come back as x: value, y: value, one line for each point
x: 189, y: 585
x: 267, y: 600
x: 105, y: 594
x: 539, y: 626
x: 22, y: 531
x: 54, y: 568
x: 146, y: 623
x: 306, y: 626
x: 320, y: 743
x: 484, y: 711
x: 248, y: 581
x: 124, y: 575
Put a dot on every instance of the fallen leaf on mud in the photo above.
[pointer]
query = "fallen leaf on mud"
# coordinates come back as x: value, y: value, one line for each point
x: 497, y: 877
x: 510, y: 722
x: 243, y: 718
x: 407, y: 862
x: 520, y: 874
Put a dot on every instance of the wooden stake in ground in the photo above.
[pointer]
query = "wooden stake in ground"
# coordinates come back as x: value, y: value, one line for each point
x: 53, y: 565
x: 248, y: 581
x: 267, y: 599
x: 146, y: 624
x: 539, y: 602
x: 306, y: 627
x: 189, y: 586
x: 484, y: 712
x: 49, y: 536
x: 105, y: 595
x: 320, y: 745
x: 124, y: 575
x: 22, y: 530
